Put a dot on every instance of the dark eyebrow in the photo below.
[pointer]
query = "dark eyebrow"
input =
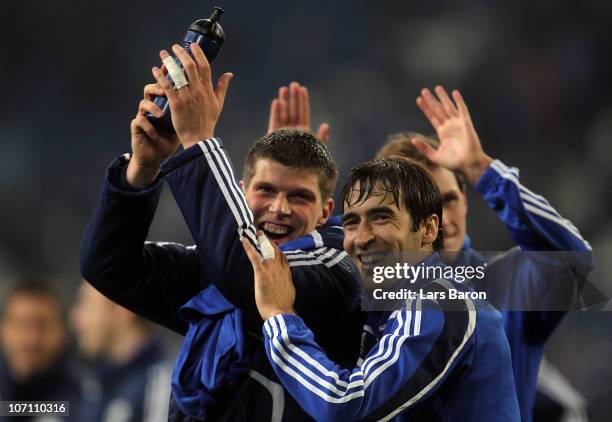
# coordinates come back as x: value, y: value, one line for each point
x: 449, y: 195
x: 371, y: 212
x: 380, y: 210
x: 306, y: 192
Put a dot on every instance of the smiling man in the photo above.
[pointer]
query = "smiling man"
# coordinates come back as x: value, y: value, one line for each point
x: 288, y: 185
x: 457, y: 158
x: 205, y: 291
x: 432, y: 359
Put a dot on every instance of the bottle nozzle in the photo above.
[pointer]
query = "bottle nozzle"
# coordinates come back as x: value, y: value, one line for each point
x: 216, y: 14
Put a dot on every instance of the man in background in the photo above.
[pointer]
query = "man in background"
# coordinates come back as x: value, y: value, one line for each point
x: 129, y: 363
x: 457, y: 158
x: 35, y: 364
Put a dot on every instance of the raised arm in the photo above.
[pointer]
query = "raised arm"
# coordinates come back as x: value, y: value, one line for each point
x: 215, y: 209
x: 151, y: 279
x: 533, y: 223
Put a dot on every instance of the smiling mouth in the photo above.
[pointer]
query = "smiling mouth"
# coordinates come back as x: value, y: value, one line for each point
x: 369, y: 260
x: 275, y: 231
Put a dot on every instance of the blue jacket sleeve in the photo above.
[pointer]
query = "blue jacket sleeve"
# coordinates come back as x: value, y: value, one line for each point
x: 536, y: 226
x: 533, y: 223
x: 420, y: 347
x: 216, y: 212
x: 151, y: 279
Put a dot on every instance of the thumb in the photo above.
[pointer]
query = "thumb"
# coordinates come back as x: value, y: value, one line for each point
x: 424, y: 148
x: 323, y: 133
x: 221, y: 89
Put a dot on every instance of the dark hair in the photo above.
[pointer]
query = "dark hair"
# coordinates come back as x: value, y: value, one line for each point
x: 298, y: 149
x: 35, y: 286
x: 410, y: 185
x: 400, y: 144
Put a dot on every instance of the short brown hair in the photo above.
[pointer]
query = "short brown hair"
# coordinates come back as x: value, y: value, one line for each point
x: 298, y: 149
x: 408, y: 183
x: 400, y: 144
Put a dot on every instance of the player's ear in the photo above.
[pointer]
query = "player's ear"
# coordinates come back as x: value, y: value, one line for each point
x: 429, y: 230
x: 326, y: 212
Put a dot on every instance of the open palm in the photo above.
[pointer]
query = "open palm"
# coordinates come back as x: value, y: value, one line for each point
x: 460, y: 148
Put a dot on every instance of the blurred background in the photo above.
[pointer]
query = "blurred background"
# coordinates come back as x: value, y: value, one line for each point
x: 536, y: 76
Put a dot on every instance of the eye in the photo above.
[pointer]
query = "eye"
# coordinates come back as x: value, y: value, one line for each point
x: 302, y: 196
x: 449, y: 199
x: 349, y: 225
x: 380, y: 219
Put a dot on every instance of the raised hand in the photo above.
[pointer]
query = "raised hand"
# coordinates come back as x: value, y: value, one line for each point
x: 149, y: 146
x: 292, y: 110
x: 460, y: 148
x: 195, y: 107
x: 274, y: 290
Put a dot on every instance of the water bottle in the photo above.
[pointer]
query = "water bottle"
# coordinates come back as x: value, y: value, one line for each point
x: 208, y: 34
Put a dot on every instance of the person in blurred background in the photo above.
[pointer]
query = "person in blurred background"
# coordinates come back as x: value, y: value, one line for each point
x: 35, y: 363
x: 128, y: 360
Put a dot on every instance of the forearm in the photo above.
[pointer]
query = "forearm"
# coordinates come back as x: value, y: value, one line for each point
x: 329, y: 392
x: 202, y: 181
x: 533, y: 223
x: 150, y: 280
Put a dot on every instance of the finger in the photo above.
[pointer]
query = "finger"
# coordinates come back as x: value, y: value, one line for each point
x: 279, y: 255
x: 164, y: 84
x: 273, y: 122
x: 424, y: 148
x: 448, y: 105
x: 323, y: 133
x: 164, y: 70
x: 222, y: 87
x: 202, y: 65
x: 304, y: 107
x: 283, y: 96
x: 428, y: 112
x: 143, y: 124
x: 189, y: 65
x: 294, y: 105
x: 148, y: 106
x: 151, y: 90
x: 434, y: 104
x: 463, y: 109
x: 266, y: 247
x: 251, y: 253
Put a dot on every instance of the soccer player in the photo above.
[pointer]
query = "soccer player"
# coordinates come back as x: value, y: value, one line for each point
x: 458, y: 158
x: 289, y: 177
x: 432, y: 360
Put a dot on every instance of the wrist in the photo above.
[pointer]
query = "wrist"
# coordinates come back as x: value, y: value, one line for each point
x: 477, y: 168
x: 189, y: 140
x: 269, y: 313
x: 139, y: 176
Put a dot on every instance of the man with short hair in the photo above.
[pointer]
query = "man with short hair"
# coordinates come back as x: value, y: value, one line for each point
x: 289, y: 177
x: 433, y: 359
x: 457, y: 157
x: 33, y: 342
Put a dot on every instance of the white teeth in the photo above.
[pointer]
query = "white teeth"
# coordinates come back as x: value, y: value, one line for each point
x: 275, y: 228
x: 370, y: 258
